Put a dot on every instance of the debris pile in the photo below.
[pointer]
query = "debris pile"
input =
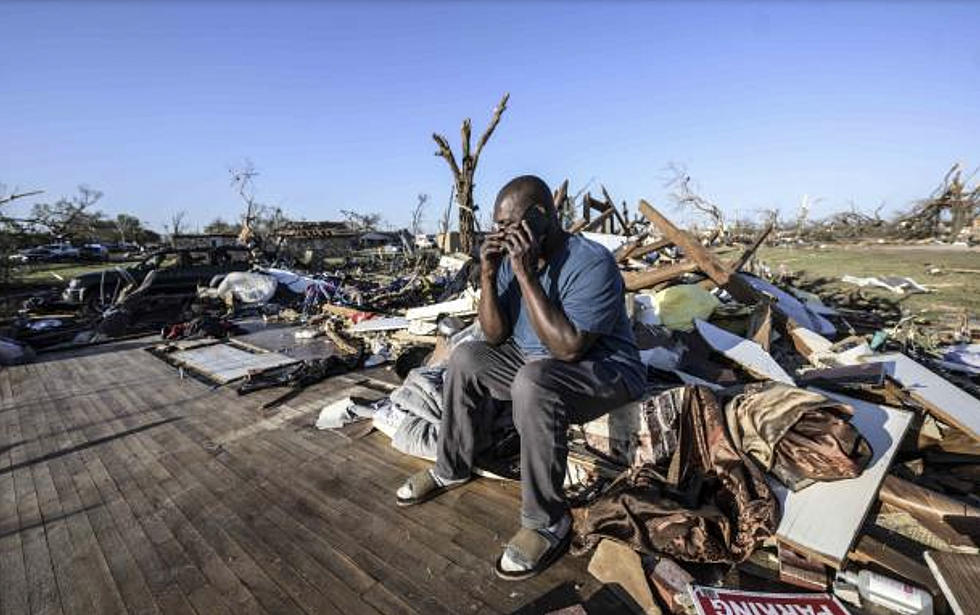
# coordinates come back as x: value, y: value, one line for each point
x: 785, y: 442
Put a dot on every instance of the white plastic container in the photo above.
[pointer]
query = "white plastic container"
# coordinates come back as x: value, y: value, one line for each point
x: 889, y: 593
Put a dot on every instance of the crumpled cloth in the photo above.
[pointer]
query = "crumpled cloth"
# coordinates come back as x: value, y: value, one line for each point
x: 420, y: 397
x: 698, y: 499
x: 799, y: 436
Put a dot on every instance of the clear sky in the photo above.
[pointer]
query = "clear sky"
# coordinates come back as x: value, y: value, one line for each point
x: 335, y: 103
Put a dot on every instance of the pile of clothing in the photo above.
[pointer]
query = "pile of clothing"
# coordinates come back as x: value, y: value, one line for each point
x: 697, y: 489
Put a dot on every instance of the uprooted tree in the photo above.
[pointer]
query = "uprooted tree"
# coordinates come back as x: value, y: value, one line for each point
x: 464, y: 170
x: 951, y: 208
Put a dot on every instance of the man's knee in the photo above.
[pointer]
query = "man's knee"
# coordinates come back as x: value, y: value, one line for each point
x: 468, y: 358
x: 532, y: 384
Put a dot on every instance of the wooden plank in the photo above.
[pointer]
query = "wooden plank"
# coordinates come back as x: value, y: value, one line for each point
x: 948, y: 402
x: 957, y: 575
x: 873, y: 374
x: 42, y: 586
x: 279, y: 496
x: 624, y: 251
x: 160, y: 513
x: 660, y: 244
x: 211, y: 520
x: 131, y: 583
x: 88, y: 564
x: 751, y: 250
x: 594, y: 223
x: 691, y: 247
x: 638, y: 280
x: 13, y: 575
x: 71, y: 585
x: 708, y: 262
x: 823, y: 519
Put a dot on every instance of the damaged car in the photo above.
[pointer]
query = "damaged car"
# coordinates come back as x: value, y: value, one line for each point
x: 178, y: 271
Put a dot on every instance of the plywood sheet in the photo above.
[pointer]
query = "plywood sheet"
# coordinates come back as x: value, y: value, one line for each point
x: 746, y: 353
x: 823, y: 519
x: 942, y: 398
x: 223, y: 363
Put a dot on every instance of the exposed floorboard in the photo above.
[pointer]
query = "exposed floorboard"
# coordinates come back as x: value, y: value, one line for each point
x: 126, y: 489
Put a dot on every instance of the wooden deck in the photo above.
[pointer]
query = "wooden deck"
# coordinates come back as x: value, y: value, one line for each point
x: 126, y: 489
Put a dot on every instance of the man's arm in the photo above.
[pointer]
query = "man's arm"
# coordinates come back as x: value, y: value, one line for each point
x: 560, y: 336
x: 556, y: 332
x: 493, y: 321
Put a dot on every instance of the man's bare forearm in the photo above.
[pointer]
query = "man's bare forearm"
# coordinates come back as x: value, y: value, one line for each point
x: 492, y: 319
x: 554, y: 329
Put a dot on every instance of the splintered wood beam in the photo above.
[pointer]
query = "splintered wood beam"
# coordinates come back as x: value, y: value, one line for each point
x: 597, y: 221
x: 652, y: 247
x: 750, y: 251
x: 638, y: 280
x: 594, y: 203
x: 612, y: 205
x: 624, y: 251
x: 561, y: 194
x: 692, y: 248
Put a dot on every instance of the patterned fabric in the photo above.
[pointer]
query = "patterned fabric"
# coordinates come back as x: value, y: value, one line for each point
x: 698, y: 498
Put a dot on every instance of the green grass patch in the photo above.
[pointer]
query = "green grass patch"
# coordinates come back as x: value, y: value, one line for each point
x: 953, y: 291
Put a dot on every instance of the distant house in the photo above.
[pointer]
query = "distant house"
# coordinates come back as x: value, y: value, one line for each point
x: 310, y: 242
x: 204, y: 240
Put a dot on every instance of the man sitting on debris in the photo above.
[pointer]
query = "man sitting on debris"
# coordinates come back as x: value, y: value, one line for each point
x: 559, y: 347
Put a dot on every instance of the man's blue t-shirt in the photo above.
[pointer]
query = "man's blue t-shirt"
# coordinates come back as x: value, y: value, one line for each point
x: 582, y: 279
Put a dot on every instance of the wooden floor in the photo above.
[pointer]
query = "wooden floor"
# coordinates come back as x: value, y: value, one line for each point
x: 126, y: 489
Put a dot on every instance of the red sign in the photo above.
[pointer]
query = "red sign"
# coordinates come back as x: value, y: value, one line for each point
x: 720, y: 601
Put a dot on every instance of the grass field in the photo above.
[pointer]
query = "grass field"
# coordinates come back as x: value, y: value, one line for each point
x: 953, y: 291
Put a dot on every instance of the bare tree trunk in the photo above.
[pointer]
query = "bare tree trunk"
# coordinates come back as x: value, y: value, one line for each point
x: 463, y: 173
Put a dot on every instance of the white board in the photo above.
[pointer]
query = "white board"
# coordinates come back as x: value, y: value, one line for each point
x: 746, y: 353
x: 823, y: 519
x: 223, y: 363
x: 948, y: 402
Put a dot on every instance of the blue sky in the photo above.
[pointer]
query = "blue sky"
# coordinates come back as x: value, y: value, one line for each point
x: 335, y: 103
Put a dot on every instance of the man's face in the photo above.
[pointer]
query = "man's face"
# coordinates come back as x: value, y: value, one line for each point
x: 509, y: 215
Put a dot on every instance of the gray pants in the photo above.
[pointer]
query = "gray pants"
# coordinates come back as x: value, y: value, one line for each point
x: 546, y: 396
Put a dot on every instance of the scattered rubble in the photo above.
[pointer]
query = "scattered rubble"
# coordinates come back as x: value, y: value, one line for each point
x: 688, y: 491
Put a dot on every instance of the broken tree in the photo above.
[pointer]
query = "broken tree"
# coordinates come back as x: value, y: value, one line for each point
x: 464, y: 170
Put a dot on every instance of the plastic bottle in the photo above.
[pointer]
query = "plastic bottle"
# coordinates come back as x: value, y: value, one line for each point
x: 889, y: 593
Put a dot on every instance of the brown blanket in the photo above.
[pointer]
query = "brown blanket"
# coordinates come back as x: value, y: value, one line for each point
x: 700, y: 499
x: 799, y: 436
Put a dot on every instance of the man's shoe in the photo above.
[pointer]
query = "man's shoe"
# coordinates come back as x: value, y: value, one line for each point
x: 423, y: 486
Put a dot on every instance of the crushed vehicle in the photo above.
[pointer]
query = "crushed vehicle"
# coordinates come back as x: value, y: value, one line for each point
x: 176, y: 272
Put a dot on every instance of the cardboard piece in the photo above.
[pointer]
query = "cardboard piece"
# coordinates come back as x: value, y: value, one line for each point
x: 616, y: 564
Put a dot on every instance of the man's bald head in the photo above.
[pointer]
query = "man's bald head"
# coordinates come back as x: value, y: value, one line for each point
x: 522, y: 192
x: 526, y: 198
